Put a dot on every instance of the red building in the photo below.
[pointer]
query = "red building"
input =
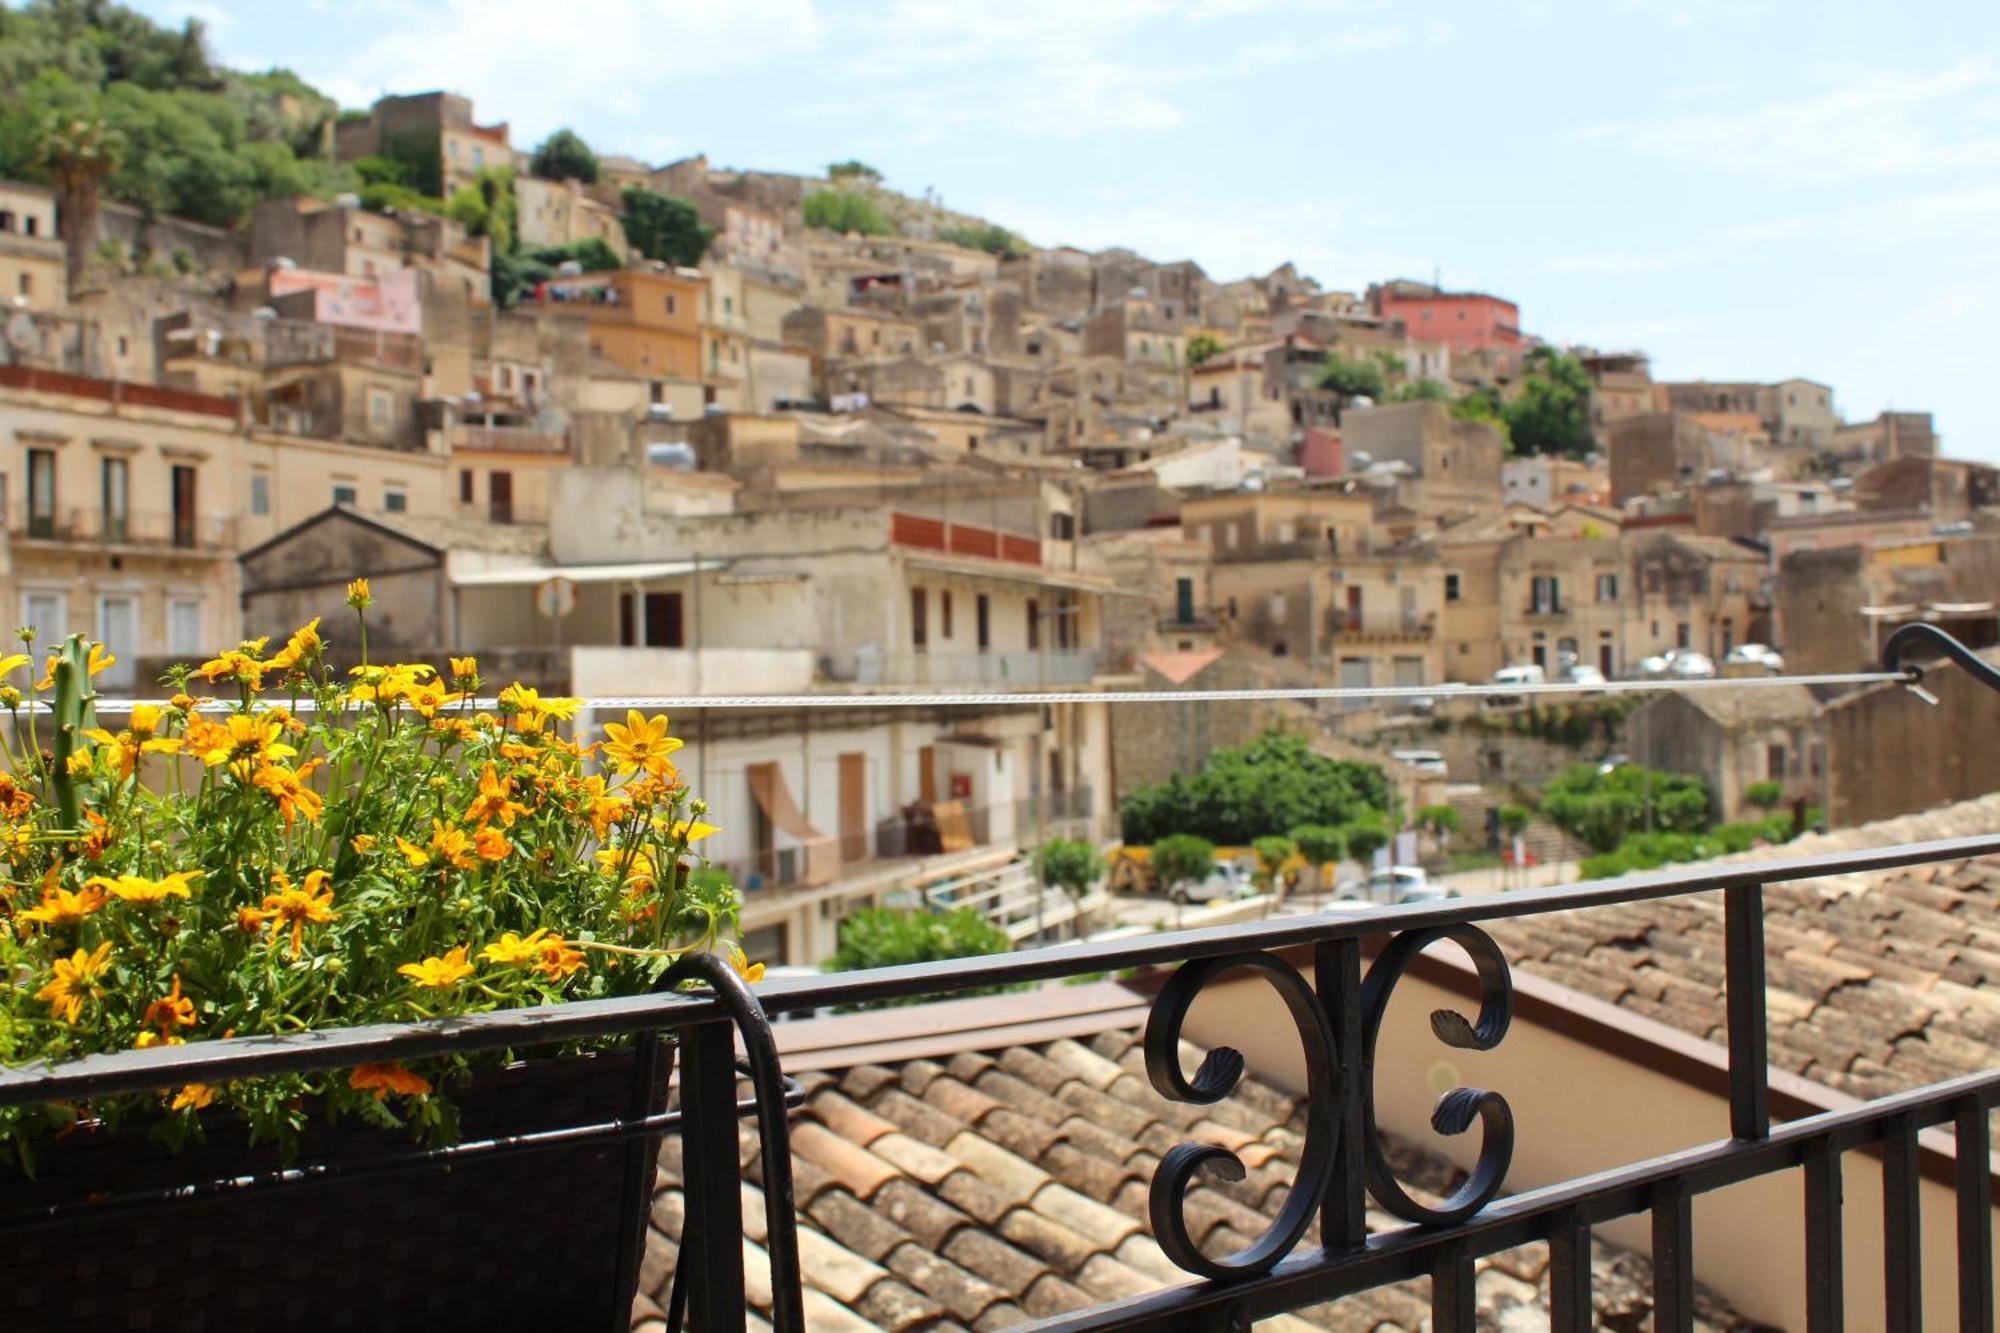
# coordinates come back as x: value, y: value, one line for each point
x: 1466, y: 321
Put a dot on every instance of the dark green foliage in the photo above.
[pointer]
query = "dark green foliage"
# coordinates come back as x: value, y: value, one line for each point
x: 1440, y: 820
x: 1273, y: 850
x: 1274, y: 783
x: 1764, y: 795
x: 188, y: 138
x: 1182, y: 858
x: 421, y: 157
x: 564, y: 156
x: 1203, y: 347
x: 515, y: 274
x: 1514, y: 819
x: 1071, y: 864
x: 991, y: 237
x: 852, y: 170
x: 845, y: 211
x: 889, y: 936
x: 1365, y: 837
x: 1603, y: 809
x: 662, y: 227
x: 1552, y: 413
x: 1425, y: 390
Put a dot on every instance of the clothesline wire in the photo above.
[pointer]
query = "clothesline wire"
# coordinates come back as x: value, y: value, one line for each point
x: 1006, y: 698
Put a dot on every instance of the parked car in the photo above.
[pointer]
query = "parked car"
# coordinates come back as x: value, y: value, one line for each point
x: 1759, y: 655
x: 1228, y: 881
x: 1584, y: 674
x: 1685, y: 663
x: 1427, y: 762
x: 1529, y: 674
x: 1404, y: 884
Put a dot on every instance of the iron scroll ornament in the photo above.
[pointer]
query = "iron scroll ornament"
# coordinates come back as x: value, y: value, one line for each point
x: 1222, y: 1068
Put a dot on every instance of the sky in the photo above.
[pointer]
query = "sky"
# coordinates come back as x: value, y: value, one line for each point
x: 1743, y: 190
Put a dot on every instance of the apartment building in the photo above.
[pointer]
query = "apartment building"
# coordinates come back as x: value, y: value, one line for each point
x: 34, y: 274
x: 645, y: 320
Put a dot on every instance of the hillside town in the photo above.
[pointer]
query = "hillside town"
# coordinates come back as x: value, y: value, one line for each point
x: 633, y: 430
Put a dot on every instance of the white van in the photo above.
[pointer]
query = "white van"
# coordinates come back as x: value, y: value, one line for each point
x: 1530, y: 674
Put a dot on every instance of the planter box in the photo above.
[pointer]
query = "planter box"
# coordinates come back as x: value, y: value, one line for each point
x: 539, y: 1239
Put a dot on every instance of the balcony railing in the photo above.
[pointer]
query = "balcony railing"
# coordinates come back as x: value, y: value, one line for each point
x: 1028, y: 670
x: 135, y: 527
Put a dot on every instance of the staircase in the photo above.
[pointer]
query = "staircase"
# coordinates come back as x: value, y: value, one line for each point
x: 1545, y: 842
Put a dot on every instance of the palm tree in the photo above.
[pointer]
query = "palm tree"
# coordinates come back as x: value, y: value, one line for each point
x: 79, y: 153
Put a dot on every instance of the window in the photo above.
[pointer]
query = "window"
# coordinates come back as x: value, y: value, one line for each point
x: 47, y: 612
x: 1451, y: 587
x: 41, y: 492
x: 1545, y: 595
x: 944, y: 614
x: 982, y: 615
x: 728, y: 305
x: 673, y: 305
x: 395, y: 501
x: 381, y: 409
x: 972, y: 443
x: 920, y: 629
x: 1774, y: 763
x: 1607, y: 587
x: 344, y: 494
x: 184, y: 507
x: 1062, y: 527
x: 117, y: 497
x: 465, y: 485
x: 184, y: 636
x: 500, y: 496
x: 26, y: 284
x: 32, y: 225
x: 1278, y: 608
x: 260, y: 492
x: 1682, y: 639
x: 1034, y: 625
x: 1184, y: 601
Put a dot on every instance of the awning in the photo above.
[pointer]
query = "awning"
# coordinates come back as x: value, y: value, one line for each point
x: 1896, y: 612
x: 1034, y: 574
x: 526, y: 576
x: 774, y: 798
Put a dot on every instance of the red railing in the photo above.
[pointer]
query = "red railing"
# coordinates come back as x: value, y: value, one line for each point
x: 929, y: 534
x: 115, y: 391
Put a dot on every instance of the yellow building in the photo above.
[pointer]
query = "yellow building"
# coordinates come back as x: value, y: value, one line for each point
x: 645, y: 320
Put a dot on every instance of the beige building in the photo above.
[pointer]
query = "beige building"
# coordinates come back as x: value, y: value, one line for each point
x: 551, y: 213
x: 127, y: 506
x: 1451, y: 466
x: 33, y: 271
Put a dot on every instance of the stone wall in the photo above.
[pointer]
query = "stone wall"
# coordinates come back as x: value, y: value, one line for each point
x: 1889, y: 753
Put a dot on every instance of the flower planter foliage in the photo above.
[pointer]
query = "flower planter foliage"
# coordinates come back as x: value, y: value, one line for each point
x: 323, y: 850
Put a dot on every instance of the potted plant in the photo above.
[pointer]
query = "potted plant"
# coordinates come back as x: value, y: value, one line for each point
x: 311, y: 849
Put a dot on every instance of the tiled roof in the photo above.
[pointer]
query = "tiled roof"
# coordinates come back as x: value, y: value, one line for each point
x: 1876, y: 982
x: 1763, y: 703
x: 996, y: 1187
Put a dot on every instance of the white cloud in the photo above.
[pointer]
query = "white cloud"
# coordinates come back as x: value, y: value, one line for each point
x: 518, y: 62
x: 1878, y: 123
x: 1909, y: 220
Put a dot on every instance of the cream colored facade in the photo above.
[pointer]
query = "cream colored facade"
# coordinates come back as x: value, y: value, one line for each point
x: 33, y: 272
x: 549, y: 213
x: 125, y: 520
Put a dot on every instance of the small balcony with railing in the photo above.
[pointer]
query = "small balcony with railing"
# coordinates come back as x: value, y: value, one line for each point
x: 129, y: 530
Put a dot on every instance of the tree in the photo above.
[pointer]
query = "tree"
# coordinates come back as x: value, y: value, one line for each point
x: 1203, y: 347
x: 79, y: 154
x: 1425, y: 390
x: 889, y: 936
x: 853, y: 170
x: 1180, y: 859
x: 1070, y: 864
x: 1321, y: 845
x: 845, y: 211
x: 1352, y: 379
x: 1514, y: 819
x: 1273, y: 784
x: 1764, y: 795
x: 1552, y: 413
x: 662, y: 227
x: 1273, y: 850
x: 1603, y: 809
x: 1440, y: 821
x: 991, y: 237
x: 1365, y: 837
x: 564, y: 156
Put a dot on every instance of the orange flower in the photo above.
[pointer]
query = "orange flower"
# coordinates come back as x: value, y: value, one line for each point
x: 75, y: 980
x: 60, y: 907
x: 146, y: 892
x: 495, y: 801
x: 291, y: 790
x: 305, y: 643
x: 171, y: 1011
x: 491, y: 844
x: 448, y: 846
x: 557, y: 958
x: 192, y: 1097
x: 388, y: 1078
x: 309, y: 903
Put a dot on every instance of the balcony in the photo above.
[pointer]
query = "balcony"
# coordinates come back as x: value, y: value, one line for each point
x: 1012, y: 670
x: 507, y: 440
x: 1202, y: 622
x: 142, y: 529
x: 1346, y: 627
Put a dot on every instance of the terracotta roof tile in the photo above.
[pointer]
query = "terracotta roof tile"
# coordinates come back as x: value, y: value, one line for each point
x: 1084, y: 1063
x: 1012, y: 1175
x: 834, y: 1269
x: 894, y: 1305
x: 918, y: 1160
x: 956, y: 1098
x: 919, y: 1120
x: 930, y: 1219
x: 854, y: 1123
x: 966, y: 1295
x: 861, y: 1172
x: 1062, y: 1249
x: 1106, y: 1227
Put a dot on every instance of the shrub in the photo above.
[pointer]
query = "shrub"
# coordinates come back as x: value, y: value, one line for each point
x: 1071, y: 864
x: 1364, y: 838
x: 1601, y: 809
x: 1319, y: 843
x: 1183, y: 858
x: 1273, y: 850
x: 1515, y: 819
x: 1274, y: 783
x: 891, y: 936
x: 1440, y: 820
x: 1764, y: 795
x: 390, y: 854
x: 845, y: 211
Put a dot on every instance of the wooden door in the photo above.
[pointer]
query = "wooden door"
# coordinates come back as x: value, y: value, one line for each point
x: 854, y: 807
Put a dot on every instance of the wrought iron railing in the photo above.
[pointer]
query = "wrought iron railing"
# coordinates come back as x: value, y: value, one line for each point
x: 1357, y: 961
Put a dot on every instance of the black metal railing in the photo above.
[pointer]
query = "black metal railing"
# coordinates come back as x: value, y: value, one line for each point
x: 1357, y: 961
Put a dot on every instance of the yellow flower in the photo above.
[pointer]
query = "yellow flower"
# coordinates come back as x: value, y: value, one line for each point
x: 60, y: 907
x: 303, y: 644
x: 691, y: 830
x: 13, y: 662
x: 386, y: 684
x: 531, y: 710
x: 739, y: 960
x: 640, y: 742
x: 439, y: 973
x: 192, y: 1097
x: 637, y: 863
x: 238, y: 664
x: 387, y: 1078
x: 491, y: 844
x: 78, y: 763
x: 309, y: 903
x: 463, y: 669
x: 129, y: 745
x: 291, y: 790
x: 511, y: 949
x: 76, y: 980
x: 362, y: 843
x: 358, y: 595
x: 495, y: 801
x: 557, y: 958
x: 448, y: 846
x: 171, y: 1011
x: 100, y: 658
x: 146, y: 892
x: 426, y: 700
x: 246, y: 738
x: 147, y: 1040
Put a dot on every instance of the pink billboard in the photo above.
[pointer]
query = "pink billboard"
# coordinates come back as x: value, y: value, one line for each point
x: 387, y: 303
